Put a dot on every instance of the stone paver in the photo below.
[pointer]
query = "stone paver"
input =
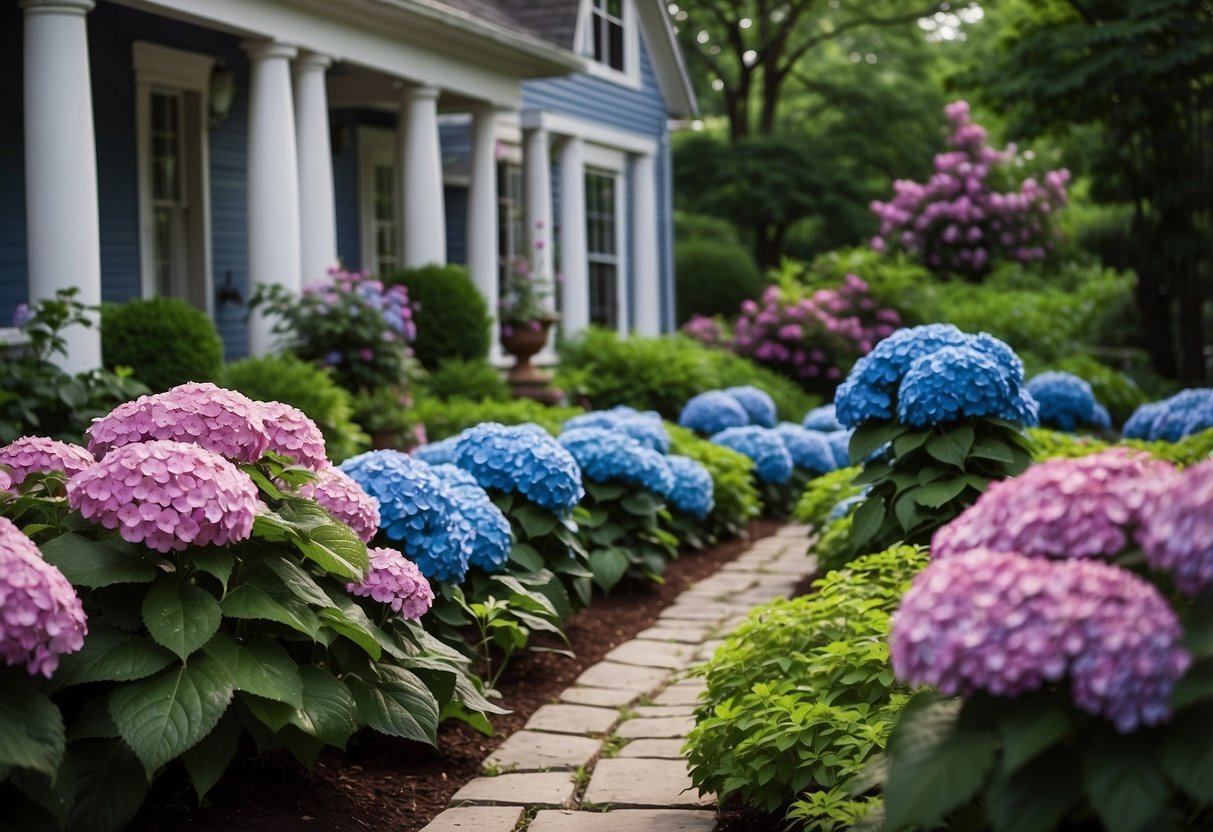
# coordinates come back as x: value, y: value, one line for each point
x: 539, y: 751
x: 598, y: 697
x: 573, y: 719
x: 682, y: 632
x: 667, y: 749
x: 656, y: 727
x: 698, y: 611
x: 644, y: 653
x: 707, y: 649
x: 546, y: 790
x: 641, y: 783
x: 625, y: 820
x: 476, y: 819
x: 662, y: 710
x: 678, y: 695
x: 623, y: 677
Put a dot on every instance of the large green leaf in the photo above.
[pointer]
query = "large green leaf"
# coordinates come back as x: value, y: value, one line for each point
x: 270, y: 601
x: 867, y: 519
x: 94, y: 564
x: 214, y: 561
x: 162, y: 717
x: 938, y: 493
x: 1124, y: 781
x: 110, y: 785
x: 295, y: 578
x: 640, y: 503
x: 871, y: 437
x: 526, y: 556
x: 31, y: 728
x: 207, y: 760
x: 180, y: 615
x: 608, y: 566
x: 1035, y: 798
x: 1028, y: 726
x: 337, y: 549
x: 339, y: 622
x: 329, y: 710
x: 993, y: 448
x: 952, y: 445
x: 54, y: 794
x: 396, y: 702
x: 1187, y: 752
x: 259, y: 666
x: 111, y: 655
x: 534, y: 521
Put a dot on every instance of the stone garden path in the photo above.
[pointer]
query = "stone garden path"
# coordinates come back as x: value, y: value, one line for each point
x: 607, y: 756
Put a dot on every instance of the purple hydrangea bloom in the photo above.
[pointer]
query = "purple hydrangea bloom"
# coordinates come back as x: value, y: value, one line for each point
x: 953, y: 383
x: 608, y: 456
x: 491, y: 539
x: 6, y: 482
x: 758, y: 405
x: 823, y: 419
x: 167, y: 495
x: 437, y: 453
x: 219, y: 420
x: 523, y: 459
x: 693, y: 492
x: 712, y: 412
x: 772, y: 462
x: 1177, y: 534
x: 344, y: 498
x: 292, y: 433
x: 38, y: 455
x: 1008, y: 624
x: 1066, y: 401
x: 1086, y: 507
x: 396, y: 581
x: 810, y: 449
x: 41, y: 617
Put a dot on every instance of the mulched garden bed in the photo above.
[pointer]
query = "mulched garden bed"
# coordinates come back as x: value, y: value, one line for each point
x: 388, y: 783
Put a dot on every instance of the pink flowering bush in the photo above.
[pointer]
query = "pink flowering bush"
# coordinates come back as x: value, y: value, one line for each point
x: 961, y: 220
x: 1177, y: 536
x: 396, y: 581
x: 38, y: 455
x: 344, y: 498
x: 293, y: 434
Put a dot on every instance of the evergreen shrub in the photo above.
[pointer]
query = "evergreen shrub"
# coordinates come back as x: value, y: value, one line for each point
x: 165, y: 341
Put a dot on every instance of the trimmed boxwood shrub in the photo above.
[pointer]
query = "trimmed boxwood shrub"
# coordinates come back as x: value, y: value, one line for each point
x: 713, y: 277
x: 469, y: 379
x: 165, y: 342
x: 452, y: 316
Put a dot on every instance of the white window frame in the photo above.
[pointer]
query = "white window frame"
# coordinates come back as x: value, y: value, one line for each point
x: 600, y: 160
x: 584, y: 38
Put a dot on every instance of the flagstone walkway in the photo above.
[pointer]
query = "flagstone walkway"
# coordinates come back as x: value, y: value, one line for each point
x: 607, y: 756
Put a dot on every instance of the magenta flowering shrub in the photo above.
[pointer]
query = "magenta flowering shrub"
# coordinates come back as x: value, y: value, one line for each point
x: 293, y: 434
x: 1177, y: 535
x: 166, y: 495
x: 41, y: 617
x: 396, y: 581
x: 38, y: 455
x: 345, y: 499
x: 711, y: 332
x: 959, y: 220
x: 813, y: 339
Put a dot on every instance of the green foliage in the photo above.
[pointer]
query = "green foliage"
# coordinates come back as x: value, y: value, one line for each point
x: 713, y: 277
x: 736, y: 495
x: 1112, y: 388
x: 822, y: 493
x: 801, y: 695
x: 1190, y: 450
x: 622, y: 529
x: 451, y: 315
x: 36, y: 397
x: 285, y: 378
x: 688, y: 227
x: 469, y: 379
x: 1050, y: 444
x: 457, y: 414
x: 663, y: 373
x: 165, y: 341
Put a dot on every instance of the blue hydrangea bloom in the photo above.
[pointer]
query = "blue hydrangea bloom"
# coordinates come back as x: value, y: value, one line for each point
x: 417, y: 510
x: 844, y: 507
x: 1101, y: 419
x: 758, y: 405
x: 822, y: 419
x: 840, y: 444
x: 712, y: 412
x: 437, y: 453
x: 1141, y: 424
x: 772, y: 462
x: 810, y: 449
x: 957, y: 382
x: 487, y: 527
x: 1066, y: 401
x: 610, y: 456
x: 524, y: 459
x: 605, y: 419
x: 1001, y: 352
x: 1187, y: 412
x: 693, y: 492
x: 646, y: 427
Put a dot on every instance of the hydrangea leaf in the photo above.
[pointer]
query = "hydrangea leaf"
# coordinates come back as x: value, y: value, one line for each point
x: 110, y: 785
x: 952, y: 446
x: 397, y: 703
x: 94, y: 564
x: 329, y: 711
x: 1187, y: 753
x: 111, y: 655
x: 216, y: 562
x: 867, y: 520
x: 337, y: 621
x: 32, y: 734
x: 1029, y: 725
x: 207, y: 760
x: 258, y: 598
x: 1035, y: 797
x: 641, y: 503
x: 992, y: 448
x: 258, y: 666
x: 336, y: 549
x: 608, y: 566
x: 535, y: 521
x: 295, y: 578
x: 871, y: 437
x: 180, y: 615
x: 1122, y: 779
x: 937, y: 494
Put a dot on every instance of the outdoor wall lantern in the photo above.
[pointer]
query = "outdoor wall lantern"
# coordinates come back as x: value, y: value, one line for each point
x: 222, y: 92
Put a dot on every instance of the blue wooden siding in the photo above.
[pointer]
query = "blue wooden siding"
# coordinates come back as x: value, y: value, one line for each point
x: 347, y: 187
x: 14, y: 288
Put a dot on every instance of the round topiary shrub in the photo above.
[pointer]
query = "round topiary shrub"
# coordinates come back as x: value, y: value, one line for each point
x: 165, y: 342
x: 451, y: 315
x: 713, y: 278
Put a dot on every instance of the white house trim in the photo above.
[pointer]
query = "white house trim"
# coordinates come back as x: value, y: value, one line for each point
x: 630, y: 76
x: 563, y: 125
x: 669, y: 64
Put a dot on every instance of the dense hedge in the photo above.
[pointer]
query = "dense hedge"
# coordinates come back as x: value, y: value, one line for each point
x: 165, y: 341
x: 451, y: 315
x: 713, y: 277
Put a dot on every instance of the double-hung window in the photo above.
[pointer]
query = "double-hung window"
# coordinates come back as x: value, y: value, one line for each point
x: 607, y: 33
x: 602, y: 246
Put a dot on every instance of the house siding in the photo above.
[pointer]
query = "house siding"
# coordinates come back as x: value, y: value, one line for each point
x: 14, y: 282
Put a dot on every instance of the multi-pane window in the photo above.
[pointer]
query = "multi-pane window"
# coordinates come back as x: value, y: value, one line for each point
x: 512, y: 239
x: 602, y: 235
x: 606, y: 31
x: 383, y: 218
x: 168, y: 192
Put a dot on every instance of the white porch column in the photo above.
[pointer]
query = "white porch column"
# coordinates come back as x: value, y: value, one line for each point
x: 644, y: 223
x: 317, y: 205
x: 273, y: 179
x: 483, y: 250
x: 574, y: 265
x: 537, y: 162
x: 63, y: 240
x: 423, y: 219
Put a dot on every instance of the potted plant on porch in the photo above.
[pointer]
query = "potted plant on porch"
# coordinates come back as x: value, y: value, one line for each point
x: 526, y: 313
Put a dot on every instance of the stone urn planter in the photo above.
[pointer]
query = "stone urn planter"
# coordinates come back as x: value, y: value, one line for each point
x: 524, y: 341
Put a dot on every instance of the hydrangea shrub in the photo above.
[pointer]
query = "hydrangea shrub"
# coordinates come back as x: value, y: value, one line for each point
x: 1185, y: 413
x: 1067, y: 402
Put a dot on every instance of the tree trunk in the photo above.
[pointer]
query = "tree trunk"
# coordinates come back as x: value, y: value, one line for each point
x: 768, y: 245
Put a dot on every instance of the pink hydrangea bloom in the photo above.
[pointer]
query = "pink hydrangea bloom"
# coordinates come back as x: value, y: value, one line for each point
x: 344, y: 498
x: 41, y: 617
x: 1005, y: 623
x: 396, y: 581
x: 167, y: 495
x: 1063, y: 508
x: 1177, y: 535
x: 6, y: 482
x: 219, y: 420
x: 293, y: 434
x: 37, y: 454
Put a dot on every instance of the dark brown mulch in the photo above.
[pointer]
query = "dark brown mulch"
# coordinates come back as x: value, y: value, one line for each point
x: 389, y: 783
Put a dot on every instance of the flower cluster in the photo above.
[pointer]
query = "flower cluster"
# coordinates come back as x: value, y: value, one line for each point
x: 41, y: 617
x: 438, y: 453
x: 1187, y: 412
x: 166, y: 495
x: 645, y: 427
x: 1086, y: 507
x: 6, y: 482
x: 823, y: 419
x: 1067, y: 402
x: 526, y: 295
x: 958, y: 221
x: 344, y: 498
x: 772, y: 462
x: 1177, y: 535
x: 810, y: 450
x: 522, y: 459
x: 757, y: 404
x: 416, y: 509
x: 693, y: 491
x: 712, y: 412
x: 608, y: 456
x: 223, y: 421
x: 812, y: 339
x: 1008, y: 624
x: 38, y: 455
x: 488, y: 528
x: 396, y: 581
x: 711, y: 332
x: 292, y: 433
x: 840, y: 444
